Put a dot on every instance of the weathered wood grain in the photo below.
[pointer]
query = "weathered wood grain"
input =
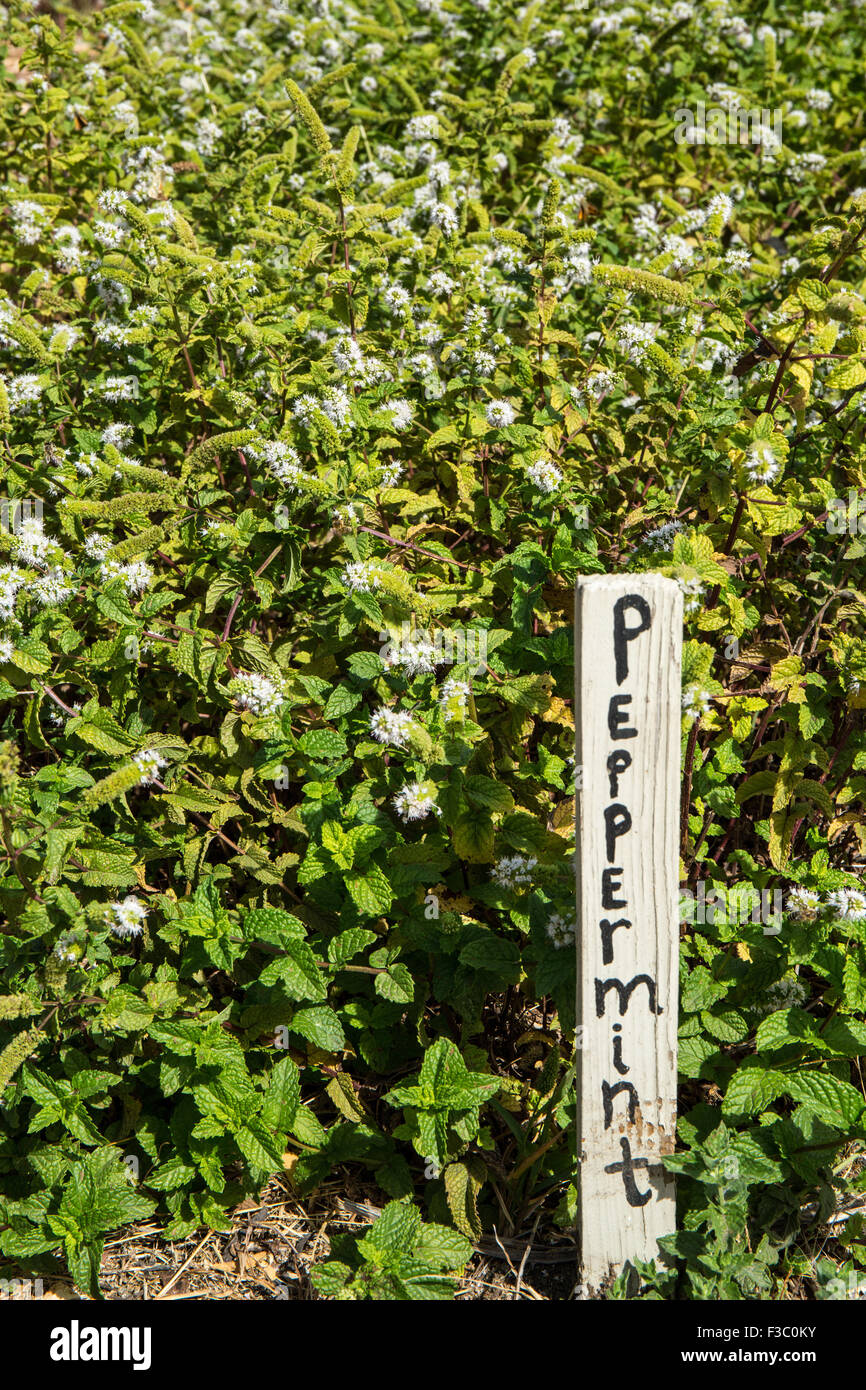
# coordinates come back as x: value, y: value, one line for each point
x: 628, y: 631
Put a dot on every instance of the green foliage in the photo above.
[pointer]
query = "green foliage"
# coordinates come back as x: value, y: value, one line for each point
x: 400, y: 1258
x: 441, y: 1108
x: 334, y: 347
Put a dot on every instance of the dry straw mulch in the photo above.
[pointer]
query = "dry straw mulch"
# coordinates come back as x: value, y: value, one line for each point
x: 273, y: 1244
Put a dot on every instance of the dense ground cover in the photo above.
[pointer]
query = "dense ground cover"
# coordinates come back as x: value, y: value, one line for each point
x: 335, y: 342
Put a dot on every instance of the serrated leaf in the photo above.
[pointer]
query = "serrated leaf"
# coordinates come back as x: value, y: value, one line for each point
x: 32, y: 656
x: 340, y: 701
x: 320, y: 1026
x: 442, y: 1247
x: 486, y: 951
x: 283, y: 1095
x: 343, y: 1094
x: 473, y: 837
x: 259, y: 1147
x: 531, y: 693
x: 833, y: 1101
x: 297, y: 972
x: 493, y: 796
x: 349, y: 944
x: 395, y: 984
x: 784, y: 1027
x: 462, y: 1186
x: 446, y: 435
x: 752, y: 1089
x: 370, y: 891
x: 847, y: 375
x: 272, y: 924
x: 323, y: 743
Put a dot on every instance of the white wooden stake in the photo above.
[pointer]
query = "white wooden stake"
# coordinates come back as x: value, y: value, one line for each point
x: 628, y: 652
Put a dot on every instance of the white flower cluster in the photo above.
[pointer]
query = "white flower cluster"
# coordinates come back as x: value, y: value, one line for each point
x: 350, y: 358
x: 513, y: 871
x: 152, y: 173
x: 347, y: 514
x: 662, y: 538
x: 678, y: 249
x: 97, y: 546
x: 562, y: 931
x: 633, y: 340
x: 32, y: 546
x: 51, y: 589
x: 68, y: 254
x: 738, y: 259
x: 500, y: 414
x: 401, y: 414
x: 416, y: 801
x: 580, y: 262
x: 135, y: 576
x: 454, y: 699
x: 696, y: 702
x: 784, y: 994
x: 24, y: 391
x: 544, y: 475
x: 804, y: 163
x: 390, y: 473
x: 256, y: 693
x: 423, y: 128
x: 128, y: 917
x: 120, y: 388
x: 440, y: 283
x: 392, y: 726
x: 29, y: 221
x: 334, y: 403
x: 416, y: 655
x: 281, y: 461
x: 721, y: 206
x: 396, y: 299
x: 692, y: 589
x: 819, y: 99
x: 149, y: 764
x: 207, y: 134
x: 845, y: 904
x: 598, y: 384
x: 70, y: 948
x: 362, y: 576
x: 714, y: 353
x: 761, y: 462
x: 63, y: 338
x: 118, y: 436
x: 11, y: 580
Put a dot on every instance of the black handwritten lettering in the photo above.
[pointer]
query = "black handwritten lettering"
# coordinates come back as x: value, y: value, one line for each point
x: 617, y: 763
x: 624, y: 993
x: 609, y: 1094
x: 617, y: 1056
x: 617, y: 719
x: 609, y: 887
x: 622, y: 635
x: 617, y: 821
x: 607, y: 930
x: 627, y: 1167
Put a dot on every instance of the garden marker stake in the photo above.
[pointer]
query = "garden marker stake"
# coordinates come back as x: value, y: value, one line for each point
x: 628, y: 647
